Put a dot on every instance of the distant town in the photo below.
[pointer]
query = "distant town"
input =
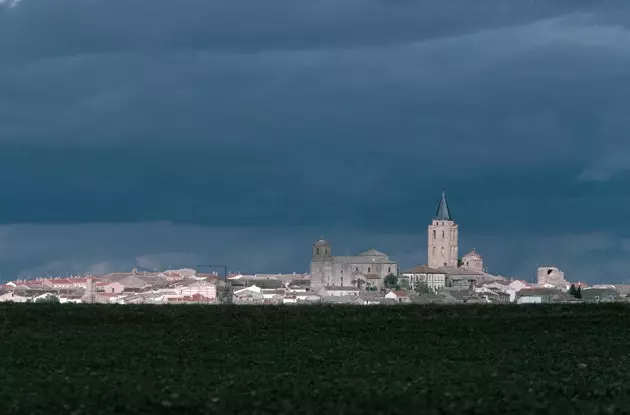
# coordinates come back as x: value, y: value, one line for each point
x: 369, y: 278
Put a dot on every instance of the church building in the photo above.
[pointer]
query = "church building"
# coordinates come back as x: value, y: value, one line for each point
x: 445, y: 268
x: 367, y: 269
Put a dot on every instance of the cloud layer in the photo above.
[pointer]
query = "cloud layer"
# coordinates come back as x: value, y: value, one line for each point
x: 320, y: 114
x: 39, y: 250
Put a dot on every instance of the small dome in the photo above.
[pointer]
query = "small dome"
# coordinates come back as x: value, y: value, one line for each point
x: 321, y: 242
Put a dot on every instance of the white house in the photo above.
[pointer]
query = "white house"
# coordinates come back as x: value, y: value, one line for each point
x: 399, y: 296
x: 248, y: 295
x: 188, y: 288
x: 423, y: 274
x: 507, y: 287
x: 13, y: 297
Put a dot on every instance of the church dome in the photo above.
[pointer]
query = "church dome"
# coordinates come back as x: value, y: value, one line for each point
x: 472, y: 254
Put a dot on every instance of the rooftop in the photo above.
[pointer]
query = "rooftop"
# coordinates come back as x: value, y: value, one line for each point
x: 423, y: 269
x: 372, y: 252
x: 443, y: 212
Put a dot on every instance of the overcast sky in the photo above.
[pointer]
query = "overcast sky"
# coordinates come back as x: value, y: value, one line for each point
x: 177, y: 133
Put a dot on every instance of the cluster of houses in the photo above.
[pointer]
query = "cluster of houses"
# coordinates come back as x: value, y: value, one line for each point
x: 168, y: 287
x: 420, y: 285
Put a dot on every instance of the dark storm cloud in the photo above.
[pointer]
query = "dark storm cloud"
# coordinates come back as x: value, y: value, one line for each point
x: 320, y: 113
x: 98, y: 26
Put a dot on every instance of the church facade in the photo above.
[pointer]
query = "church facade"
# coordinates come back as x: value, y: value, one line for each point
x: 367, y: 269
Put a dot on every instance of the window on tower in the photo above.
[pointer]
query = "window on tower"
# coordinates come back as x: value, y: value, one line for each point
x: 442, y: 234
x: 317, y: 251
x: 433, y: 233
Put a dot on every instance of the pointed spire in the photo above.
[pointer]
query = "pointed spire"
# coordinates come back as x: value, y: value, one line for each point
x: 443, y: 212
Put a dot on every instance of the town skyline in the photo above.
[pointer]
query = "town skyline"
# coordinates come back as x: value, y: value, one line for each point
x: 442, y: 211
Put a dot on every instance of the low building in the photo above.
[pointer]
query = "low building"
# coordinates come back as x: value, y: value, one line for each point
x: 510, y: 287
x: 543, y: 295
x: 191, y: 287
x: 343, y: 299
x: 131, y: 283
x: 14, y: 297
x: 273, y: 296
x: 422, y: 274
x: 466, y: 297
x: 191, y: 299
x: 65, y: 283
x: 495, y: 297
x: 71, y: 299
x: 340, y: 291
x: 105, y: 298
x: 248, y: 295
x: 399, y: 296
x: 600, y: 295
x: 463, y: 278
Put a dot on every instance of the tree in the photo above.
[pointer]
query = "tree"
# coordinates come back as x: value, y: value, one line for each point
x: 573, y: 291
x: 390, y: 281
x: 578, y: 293
x: 50, y: 299
x: 421, y: 288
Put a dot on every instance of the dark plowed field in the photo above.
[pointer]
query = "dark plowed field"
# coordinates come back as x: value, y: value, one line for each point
x: 78, y: 359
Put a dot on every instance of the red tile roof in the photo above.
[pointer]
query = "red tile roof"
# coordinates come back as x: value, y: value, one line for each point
x: 190, y: 298
x: 400, y: 293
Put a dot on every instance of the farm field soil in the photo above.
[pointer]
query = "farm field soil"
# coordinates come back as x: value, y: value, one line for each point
x: 80, y: 359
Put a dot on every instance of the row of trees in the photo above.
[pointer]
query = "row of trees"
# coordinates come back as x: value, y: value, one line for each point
x: 575, y: 292
x: 392, y: 281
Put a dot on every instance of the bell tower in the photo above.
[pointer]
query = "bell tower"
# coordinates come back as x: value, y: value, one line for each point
x: 443, y: 236
x: 321, y: 250
x: 321, y: 265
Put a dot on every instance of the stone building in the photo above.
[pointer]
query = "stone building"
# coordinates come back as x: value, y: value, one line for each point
x: 551, y: 276
x: 443, y: 236
x: 367, y: 269
x: 473, y: 261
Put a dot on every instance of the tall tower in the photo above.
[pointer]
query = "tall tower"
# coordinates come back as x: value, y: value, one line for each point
x: 321, y: 265
x: 443, y: 237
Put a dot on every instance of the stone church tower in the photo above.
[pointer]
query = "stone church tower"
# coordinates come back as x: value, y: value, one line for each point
x: 321, y: 265
x: 443, y: 238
